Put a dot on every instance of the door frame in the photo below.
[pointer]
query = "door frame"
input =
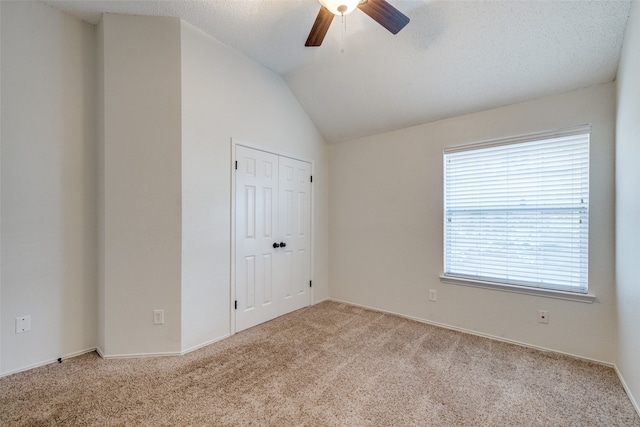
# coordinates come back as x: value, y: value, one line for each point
x: 232, y: 267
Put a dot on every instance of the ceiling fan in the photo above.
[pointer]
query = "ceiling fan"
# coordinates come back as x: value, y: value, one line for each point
x: 381, y: 12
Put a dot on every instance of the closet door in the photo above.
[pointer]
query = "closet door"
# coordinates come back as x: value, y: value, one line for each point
x: 256, y: 230
x: 273, y: 236
x: 294, y: 227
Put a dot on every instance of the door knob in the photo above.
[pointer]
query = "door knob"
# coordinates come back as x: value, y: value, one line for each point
x: 276, y: 246
x: 282, y: 244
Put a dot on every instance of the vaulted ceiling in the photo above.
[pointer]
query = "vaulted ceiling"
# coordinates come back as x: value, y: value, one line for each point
x: 454, y: 57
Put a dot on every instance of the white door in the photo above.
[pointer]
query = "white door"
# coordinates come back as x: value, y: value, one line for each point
x: 294, y: 227
x: 256, y: 231
x: 273, y: 221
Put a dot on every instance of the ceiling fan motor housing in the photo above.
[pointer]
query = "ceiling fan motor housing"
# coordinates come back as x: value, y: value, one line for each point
x: 340, y: 7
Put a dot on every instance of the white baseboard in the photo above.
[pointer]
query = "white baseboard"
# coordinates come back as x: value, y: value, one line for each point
x: 627, y: 390
x: 199, y: 346
x: 161, y: 354
x: 100, y: 352
x: 47, y: 362
x: 479, y: 334
x: 138, y: 355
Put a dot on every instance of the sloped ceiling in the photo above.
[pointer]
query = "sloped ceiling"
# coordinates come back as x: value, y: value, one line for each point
x: 453, y: 58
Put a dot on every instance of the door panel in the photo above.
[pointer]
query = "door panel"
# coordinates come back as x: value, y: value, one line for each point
x: 295, y: 220
x: 256, y: 222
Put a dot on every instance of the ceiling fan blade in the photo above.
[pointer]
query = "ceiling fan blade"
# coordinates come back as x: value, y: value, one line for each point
x: 385, y: 14
x: 320, y: 27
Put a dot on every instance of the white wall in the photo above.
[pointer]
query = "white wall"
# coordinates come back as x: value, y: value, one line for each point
x: 48, y: 184
x: 386, y: 227
x: 224, y: 95
x: 100, y: 179
x: 0, y: 189
x: 94, y: 198
x: 140, y: 188
x: 628, y: 208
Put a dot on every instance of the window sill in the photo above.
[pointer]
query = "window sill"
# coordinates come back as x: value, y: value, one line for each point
x: 547, y: 293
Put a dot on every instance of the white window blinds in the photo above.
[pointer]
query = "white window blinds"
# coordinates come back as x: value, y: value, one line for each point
x: 516, y: 210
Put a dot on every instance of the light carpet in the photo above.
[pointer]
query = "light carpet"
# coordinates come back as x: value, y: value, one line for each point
x: 327, y: 365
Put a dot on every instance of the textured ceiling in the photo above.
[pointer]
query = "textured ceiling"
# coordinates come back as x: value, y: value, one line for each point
x: 453, y: 58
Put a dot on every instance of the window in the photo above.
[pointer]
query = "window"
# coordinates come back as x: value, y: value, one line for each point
x: 516, y: 211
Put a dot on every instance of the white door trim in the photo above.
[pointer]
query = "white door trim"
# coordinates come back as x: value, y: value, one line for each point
x: 232, y: 274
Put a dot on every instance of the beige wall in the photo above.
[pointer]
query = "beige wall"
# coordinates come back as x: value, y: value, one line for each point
x: 140, y: 188
x: 48, y: 184
x: 628, y: 208
x: 169, y: 115
x: 386, y: 227
x: 226, y: 95
x: 116, y: 181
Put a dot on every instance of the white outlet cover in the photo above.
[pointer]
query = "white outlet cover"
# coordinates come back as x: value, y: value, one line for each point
x: 23, y: 324
x: 158, y: 317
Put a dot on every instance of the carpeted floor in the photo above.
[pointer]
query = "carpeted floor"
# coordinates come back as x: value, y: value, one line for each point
x: 327, y: 365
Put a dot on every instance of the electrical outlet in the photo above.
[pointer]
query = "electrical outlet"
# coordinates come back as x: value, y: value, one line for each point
x: 433, y: 295
x: 23, y: 324
x: 543, y: 316
x: 158, y: 317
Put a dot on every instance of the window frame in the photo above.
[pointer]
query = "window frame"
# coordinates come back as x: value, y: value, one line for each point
x: 503, y: 285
